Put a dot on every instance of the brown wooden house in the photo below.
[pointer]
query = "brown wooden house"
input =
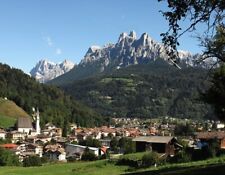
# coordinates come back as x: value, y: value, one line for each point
x: 160, y: 144
x: 209, y: 136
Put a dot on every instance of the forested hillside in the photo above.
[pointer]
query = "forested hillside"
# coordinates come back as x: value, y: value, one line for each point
x: 147, y: 90
x: 54, y: 105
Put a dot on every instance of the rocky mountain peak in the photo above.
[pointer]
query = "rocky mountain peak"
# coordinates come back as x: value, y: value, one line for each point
x: 133, y: 35
x: 131, y: 50
x: 46, y: 70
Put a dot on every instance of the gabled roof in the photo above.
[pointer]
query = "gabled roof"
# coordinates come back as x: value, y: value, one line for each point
x: 153, y: 139
x: 24, y: 122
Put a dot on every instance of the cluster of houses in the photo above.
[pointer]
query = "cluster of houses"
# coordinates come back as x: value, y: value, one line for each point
x: 29, y: 139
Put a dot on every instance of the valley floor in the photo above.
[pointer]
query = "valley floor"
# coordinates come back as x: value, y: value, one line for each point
x: 214, y: 166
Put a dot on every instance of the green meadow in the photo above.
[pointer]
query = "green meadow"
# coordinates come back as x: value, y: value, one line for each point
x: 215, y: 166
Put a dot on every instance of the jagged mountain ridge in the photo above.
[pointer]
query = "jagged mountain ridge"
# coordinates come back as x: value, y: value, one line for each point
x: 129, y: 50
x: 46, y: 70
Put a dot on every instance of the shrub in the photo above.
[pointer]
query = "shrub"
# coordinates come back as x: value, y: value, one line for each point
x: 32, y: 161
x: 150, y: 158
x: 88, y: 155
x: 133, y: 160
x: 8, y: 158
x: 181, y: 157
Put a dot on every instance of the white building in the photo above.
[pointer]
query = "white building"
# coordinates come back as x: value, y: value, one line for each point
x: 2, y: 134
x: 24, y: 125
x: 73, y: 150
x: 220, y: 126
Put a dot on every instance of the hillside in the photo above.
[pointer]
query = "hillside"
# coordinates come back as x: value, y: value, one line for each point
x: 53, y: 104
x: 9, y: 112
x: 146, y: 91
x: 10, y: 109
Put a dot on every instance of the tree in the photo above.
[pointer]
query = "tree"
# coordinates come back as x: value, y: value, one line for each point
x: 215, y: 95
x: 126, y: 145
x: 114, y: 144
x: 8, y: 158
x: 208, y: 12
x: 184, y: 130
x: 211, y: 13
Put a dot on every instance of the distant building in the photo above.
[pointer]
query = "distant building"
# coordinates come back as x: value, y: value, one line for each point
x: 2, y: 134
x: 160, y: 144
x: 16, y: 136
x: 76, y: 151
x: 55, y: 152
x: 220, y: 126
x: 105, y: 142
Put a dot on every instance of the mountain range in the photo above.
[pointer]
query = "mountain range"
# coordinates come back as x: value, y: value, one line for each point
x: 135, y: 78
x: 129, y: 50
x: 46, y: 70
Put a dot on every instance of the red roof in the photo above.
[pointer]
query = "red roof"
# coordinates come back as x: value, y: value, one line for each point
x: 9, y: 146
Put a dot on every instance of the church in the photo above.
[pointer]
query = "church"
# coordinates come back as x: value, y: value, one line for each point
x: 25, y: 125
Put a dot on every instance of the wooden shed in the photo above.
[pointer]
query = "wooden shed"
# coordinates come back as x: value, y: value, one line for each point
x: 160, y: 144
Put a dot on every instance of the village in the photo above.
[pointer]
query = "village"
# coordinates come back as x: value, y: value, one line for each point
x: 163, y: 136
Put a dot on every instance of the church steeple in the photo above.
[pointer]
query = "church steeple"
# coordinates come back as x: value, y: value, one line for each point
x: 38, y: 129
x: 37, y: 121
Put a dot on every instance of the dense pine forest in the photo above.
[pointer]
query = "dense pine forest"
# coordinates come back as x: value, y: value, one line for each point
x: 54, y: 105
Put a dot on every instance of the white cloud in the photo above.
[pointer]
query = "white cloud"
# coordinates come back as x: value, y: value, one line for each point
x: 58, y: 51
x: 48, y: 40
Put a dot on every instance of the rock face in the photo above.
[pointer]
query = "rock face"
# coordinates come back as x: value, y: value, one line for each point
x: 46, y: 70
x: 129, y: 50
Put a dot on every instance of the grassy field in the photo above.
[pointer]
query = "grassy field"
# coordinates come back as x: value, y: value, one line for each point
x: 214, y: 166
x: 9, y: 112
x: 79, y: 168
x: 6, y: 122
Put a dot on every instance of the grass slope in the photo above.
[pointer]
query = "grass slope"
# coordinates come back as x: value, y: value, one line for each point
x: 6, y: 122
x: 9, y: 112
x: 79, y: 168
x: 215, y: 166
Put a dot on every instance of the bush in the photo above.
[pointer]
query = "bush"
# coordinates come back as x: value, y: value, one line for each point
x: 149, y: 159
x: 88, y: 155
x: 181, y: 157
x: 8, y: 158
x: 132, y: 160
x: 32, y: 161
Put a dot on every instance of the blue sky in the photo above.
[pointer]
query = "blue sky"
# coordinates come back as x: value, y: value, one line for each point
x: 31, y: 30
